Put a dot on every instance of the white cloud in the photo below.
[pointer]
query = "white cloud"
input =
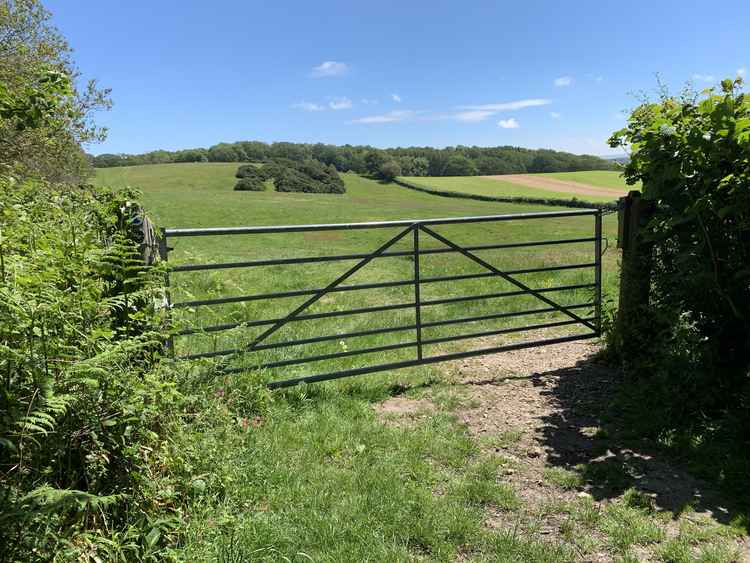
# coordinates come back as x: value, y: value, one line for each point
x: 308, y: 106
x: 340, y: 103
x: 563, y: 81
x: 329, y: 68
x: 508, y: 123
x: 508, y: 106
x: 555, y: 115
x: 390, y: 117
x: 473, y: 116
x: 396, y: 98
x: 742, y: 71
x: 369, y: 101
x: 599, y: 78
x: 704, y: 77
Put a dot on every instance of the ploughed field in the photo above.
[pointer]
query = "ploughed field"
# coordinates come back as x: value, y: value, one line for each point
x: 201, y: 195
x: 599, y: 186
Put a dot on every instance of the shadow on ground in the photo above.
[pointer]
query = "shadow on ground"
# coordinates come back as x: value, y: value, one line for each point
x: 584, y: 431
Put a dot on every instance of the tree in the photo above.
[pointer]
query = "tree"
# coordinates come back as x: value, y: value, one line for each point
x: 374, y: 159
x: 459, y: 165
x: 389, y: 170
x: 32, y: 51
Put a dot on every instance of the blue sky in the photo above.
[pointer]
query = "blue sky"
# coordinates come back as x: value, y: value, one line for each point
x: 533, y: 73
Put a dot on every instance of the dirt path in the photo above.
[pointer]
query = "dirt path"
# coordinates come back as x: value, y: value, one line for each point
x: 540, y: 410
x: 555, y: 185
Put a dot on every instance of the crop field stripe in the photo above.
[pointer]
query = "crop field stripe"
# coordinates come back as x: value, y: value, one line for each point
x: 379, y: 308
x: 411, y: 363
x: 374, y: 224
x: 374, y: 331
x: 313, y: 259
x: 374, y: 285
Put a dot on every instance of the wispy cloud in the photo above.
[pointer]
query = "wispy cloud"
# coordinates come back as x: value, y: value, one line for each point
x: 599, y: 78
x: 742, y: 71
x: 508, y: 123
x: 396, y: 98
x: 704, y: 77
x: 563, y: 81
x: 368, y: 101
x: 390, y: 117
x: 473, y: 116
x: 308, y: 106
x: 555, y: 115
x: 340, y: 103
x: 329, y: 68
x: 508, y: 106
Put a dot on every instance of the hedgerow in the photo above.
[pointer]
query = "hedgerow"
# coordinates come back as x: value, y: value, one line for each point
x: 689, y: 355
x: 84, y: 401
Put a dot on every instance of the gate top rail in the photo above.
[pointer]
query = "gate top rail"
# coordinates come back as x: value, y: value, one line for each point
x: 373, y: 224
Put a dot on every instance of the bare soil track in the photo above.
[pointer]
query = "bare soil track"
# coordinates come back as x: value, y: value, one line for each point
x: 542, y: 410
x: 555, y: 185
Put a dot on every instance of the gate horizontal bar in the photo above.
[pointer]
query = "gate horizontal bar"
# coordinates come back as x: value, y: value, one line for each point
x: 411, y: 363
x: 374, y: 224
x: 339, y: 257
x: 374, y: 331
x: 410, y: 344
x: 375, y: 309
x: 398, y: 283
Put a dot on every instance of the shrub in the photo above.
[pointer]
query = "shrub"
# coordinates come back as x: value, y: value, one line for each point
x: 310, y: 176
x: 692, y: 154
x: 390, y: 170
x: 250, y: 184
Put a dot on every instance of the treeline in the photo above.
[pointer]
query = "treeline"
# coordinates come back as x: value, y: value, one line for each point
x: 410, y: 161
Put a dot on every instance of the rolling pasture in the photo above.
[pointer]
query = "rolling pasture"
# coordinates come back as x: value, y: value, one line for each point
x: 595, y: 186
x: 318, y: 472
x: 201, y: 195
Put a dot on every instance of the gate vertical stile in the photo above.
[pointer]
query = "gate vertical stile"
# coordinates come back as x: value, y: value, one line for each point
x: 598, y: 271
x: 164, y: 256
x: 417, y: 293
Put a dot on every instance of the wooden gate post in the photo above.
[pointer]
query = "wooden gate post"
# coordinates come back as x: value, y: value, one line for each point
x: 635, y: 272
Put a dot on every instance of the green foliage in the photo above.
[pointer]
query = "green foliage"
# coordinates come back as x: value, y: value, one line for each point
x: 389, y: 170
x: 250, y: 184
x: 459, y: 165
x: 309, y: 176
x: 414, y: 161
x: 693, y: 156
x: 81, y: 400
x: 39, y: 86
x: 692, y: 355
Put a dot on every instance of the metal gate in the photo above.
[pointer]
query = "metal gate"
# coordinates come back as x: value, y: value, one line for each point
x: 418, y: 231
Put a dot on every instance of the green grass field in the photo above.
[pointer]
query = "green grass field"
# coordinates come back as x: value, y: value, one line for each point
x: 313, y: 474
x: 199, y: 195
x: 600, y: 178
x: 496, y: 187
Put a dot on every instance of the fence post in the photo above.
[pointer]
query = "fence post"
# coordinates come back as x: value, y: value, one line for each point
x: 635, y: 272
x: 163, y: 256
x: 598, y: 270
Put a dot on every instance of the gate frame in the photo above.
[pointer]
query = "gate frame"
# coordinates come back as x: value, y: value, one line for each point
x: 409, y: 226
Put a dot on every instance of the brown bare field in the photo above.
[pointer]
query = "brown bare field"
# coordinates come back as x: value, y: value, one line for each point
x: 553, y: 184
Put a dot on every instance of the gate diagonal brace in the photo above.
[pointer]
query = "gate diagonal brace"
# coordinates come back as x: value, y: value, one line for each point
x: 343, y: 277
x: 506, y: 277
